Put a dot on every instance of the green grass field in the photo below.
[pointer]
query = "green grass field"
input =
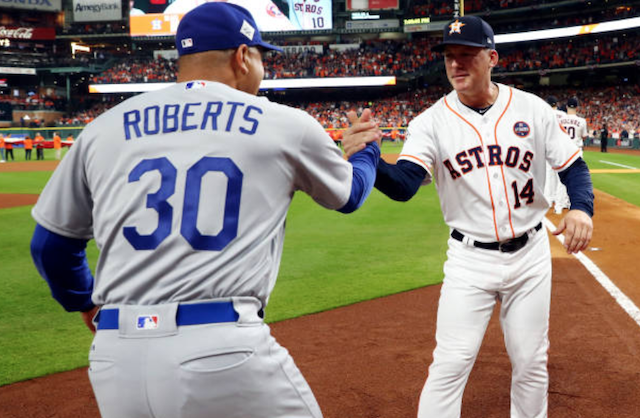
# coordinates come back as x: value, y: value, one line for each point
x: 329, y: 260
x: 624, y: 186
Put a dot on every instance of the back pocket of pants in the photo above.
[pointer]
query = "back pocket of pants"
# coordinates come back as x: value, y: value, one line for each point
x: 217, y: 361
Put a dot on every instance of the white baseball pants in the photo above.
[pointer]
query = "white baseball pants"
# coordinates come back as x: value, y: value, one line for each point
x: 474, y: 280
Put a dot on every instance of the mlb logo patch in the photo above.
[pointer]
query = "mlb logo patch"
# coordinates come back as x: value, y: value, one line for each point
x: 521, y: 129
x: 247, y: 30
x: 147, y: 322
x: 194, y: 85
x: 187, y: 42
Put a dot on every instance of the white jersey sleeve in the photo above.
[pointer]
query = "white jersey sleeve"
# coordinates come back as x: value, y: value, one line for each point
x: 561, y: 149
x: 420, y: 146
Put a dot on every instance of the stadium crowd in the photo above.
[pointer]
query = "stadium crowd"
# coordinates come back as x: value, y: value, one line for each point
x: 618, y: 107
x: 572, y: 53
x: 375, y: 58
x: 446, y: 8
x: 34, y: 101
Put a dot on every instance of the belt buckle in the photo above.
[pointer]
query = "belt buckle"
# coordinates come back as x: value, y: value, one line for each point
x: 513, y: 245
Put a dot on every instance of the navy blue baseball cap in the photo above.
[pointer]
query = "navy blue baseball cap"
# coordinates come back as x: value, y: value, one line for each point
x: 572, y: 102
x: 216, y: 26
x: 466, y: 30
x: 552, y: 100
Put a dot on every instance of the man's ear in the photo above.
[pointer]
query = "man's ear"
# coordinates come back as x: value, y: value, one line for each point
x: 240, y: 58
x: 493, y: 56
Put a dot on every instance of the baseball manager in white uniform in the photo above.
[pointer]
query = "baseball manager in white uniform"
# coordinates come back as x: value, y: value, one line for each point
x: 486, y: 145
x: 185, y: 191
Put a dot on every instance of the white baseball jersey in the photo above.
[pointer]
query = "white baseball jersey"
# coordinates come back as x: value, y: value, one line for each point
x: 490, y: 169
x: 186, y: 190
x: 266, y: 14
x: 559, y: 113
x: 310, y: 14
x: 576, y: 128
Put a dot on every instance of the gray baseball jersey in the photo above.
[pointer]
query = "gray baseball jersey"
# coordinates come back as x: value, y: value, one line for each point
x: 145, y: 179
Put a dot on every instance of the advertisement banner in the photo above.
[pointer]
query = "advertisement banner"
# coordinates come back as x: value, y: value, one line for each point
x: 39, y: 5
x: 154, y: 24
x: 372, y: 4
x: 161, y: 17
x: 96, y: 10
x: 372, y: 24
x: 27, y: 34
x: 17, y: 70
x: 300, y: 49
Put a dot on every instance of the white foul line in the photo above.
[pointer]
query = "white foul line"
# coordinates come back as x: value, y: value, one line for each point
x: 619, y: 165
x: 622, y: 299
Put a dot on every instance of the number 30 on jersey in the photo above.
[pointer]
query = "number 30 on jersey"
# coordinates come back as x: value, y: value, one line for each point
x: 188, y: 226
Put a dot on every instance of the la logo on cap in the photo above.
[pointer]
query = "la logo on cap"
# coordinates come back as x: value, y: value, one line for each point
x: 456, y: 26
x: 187, y: 43
x: 247, y: 30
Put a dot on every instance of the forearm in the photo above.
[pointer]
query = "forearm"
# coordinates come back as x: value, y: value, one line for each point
x: 62, y: 262
x: 364, y: 165
x: 399, y: 181
x: 579, y: 186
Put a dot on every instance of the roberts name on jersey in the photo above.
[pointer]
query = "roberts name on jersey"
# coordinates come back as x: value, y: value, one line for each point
x: 215, y: 115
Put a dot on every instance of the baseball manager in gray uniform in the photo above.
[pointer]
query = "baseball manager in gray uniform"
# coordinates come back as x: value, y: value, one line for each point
x: 186, y: 191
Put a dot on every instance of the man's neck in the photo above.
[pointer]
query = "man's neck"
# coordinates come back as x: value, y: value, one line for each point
x: 486, y: 98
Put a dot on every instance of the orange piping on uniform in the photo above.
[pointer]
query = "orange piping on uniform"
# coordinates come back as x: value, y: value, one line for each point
x: 411, y: 156
x: 567, y: 162
x: 504, y: 180
x: 486, y: 169
x: 563, y: 130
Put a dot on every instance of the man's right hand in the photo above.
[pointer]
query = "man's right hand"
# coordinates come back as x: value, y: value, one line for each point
x: 362, y: 131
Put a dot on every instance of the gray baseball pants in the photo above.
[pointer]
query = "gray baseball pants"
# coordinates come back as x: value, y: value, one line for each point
x: 219, y: 370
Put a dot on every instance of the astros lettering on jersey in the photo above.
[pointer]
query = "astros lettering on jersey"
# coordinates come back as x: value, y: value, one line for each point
x: 490, y: 165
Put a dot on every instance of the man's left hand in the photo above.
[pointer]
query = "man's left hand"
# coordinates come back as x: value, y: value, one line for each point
x: 87, y: 317
x: 578, y: 229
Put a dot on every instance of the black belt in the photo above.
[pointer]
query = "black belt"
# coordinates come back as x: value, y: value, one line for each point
x: 508, y: 246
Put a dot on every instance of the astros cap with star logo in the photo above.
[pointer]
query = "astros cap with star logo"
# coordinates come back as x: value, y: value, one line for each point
x: 466, y: 30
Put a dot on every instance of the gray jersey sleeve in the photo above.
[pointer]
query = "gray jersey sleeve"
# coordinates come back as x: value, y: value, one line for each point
x: 65, y: 205
x: 321, y: 171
